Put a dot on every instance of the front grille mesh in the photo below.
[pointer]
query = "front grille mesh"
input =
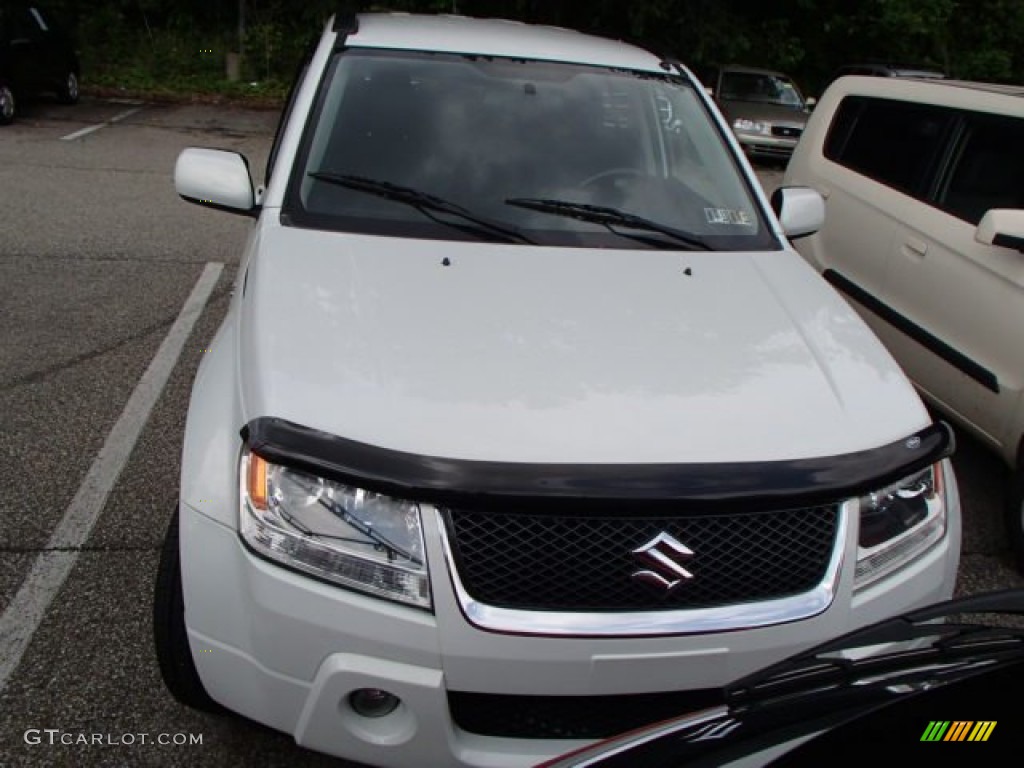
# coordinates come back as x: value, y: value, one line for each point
x: 585, y: 563
x: 571, y: 717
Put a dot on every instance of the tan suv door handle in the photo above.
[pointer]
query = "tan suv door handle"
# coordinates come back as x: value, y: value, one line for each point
x: 914, y: 247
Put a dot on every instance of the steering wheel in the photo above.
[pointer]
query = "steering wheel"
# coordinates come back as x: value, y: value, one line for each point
x: 612, y: 173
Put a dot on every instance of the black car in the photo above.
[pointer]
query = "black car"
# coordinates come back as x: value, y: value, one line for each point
x: 36, y: 56
x: 941, y: 682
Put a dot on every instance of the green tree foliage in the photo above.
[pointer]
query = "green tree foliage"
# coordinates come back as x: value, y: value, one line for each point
x: 183, y: 39
x: 985, y: 40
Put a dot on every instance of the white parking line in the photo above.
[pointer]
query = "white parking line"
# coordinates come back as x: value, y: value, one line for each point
x: 90, y: 129
x: 26, y: 611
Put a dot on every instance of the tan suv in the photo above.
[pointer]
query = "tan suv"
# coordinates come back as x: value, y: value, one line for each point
x: 924, y: 232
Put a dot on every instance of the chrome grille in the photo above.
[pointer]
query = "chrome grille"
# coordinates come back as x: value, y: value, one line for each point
x: 585, y: 563
x: 790, y: 131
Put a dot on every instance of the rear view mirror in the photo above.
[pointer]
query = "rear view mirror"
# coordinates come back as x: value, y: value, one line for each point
x: 810, y: 102
x: 1002, y: 227
x: 215, y: 178
x: 801, y: 210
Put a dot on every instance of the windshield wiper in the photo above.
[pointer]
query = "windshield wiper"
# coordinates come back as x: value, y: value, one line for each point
x: 610, y: 218
x: 953, y: 644
x: 368, y: 531
x: 426, y: 204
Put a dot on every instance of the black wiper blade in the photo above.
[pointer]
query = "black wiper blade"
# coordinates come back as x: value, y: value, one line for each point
x: 383, y: 189
x: 368, y: 531
x: 953, y: 643
x: 425, y: 203
x: 608, y: 217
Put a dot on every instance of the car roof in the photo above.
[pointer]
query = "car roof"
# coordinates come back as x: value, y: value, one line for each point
x: 496, y: 37
x: 896, y: 70
x: 963, y: 94
x: 998, y: 88
x: 922, y: 73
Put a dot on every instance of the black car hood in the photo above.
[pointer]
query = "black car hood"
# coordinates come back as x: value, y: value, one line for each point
x: 938, y: 674
x: 886, y: 721
x: 970, y: 709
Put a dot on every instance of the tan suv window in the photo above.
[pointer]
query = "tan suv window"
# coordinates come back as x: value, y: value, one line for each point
x: 989, y: 169
x: 893, y: 142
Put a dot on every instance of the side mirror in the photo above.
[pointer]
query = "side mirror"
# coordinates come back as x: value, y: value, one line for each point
x: 810, y: 103
x: 1003, y: 227
x: 215, y: 178
x: 801, y: 210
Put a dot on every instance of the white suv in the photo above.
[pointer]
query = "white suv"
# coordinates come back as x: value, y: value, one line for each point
x: 924, y: 181
x: 526, y: 424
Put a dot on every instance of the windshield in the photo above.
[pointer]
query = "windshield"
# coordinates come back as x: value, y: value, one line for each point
x: 450, y: 146
x: 762, y: 88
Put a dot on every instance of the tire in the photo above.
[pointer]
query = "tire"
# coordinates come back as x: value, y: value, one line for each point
x: 1015, y: 518
x: 67, y: 92
x: 8, y: 106
x: 177, y: 667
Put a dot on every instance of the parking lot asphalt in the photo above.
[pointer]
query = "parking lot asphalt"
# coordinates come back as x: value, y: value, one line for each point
x: 97, y: 258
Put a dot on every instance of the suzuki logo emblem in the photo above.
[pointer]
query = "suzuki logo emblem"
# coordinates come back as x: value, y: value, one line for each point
x: 661, y: 555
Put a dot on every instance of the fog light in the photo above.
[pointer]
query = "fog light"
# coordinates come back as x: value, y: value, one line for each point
x: 373, y: 702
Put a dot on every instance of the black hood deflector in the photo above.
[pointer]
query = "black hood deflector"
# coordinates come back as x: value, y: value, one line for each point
x: 714, y: 487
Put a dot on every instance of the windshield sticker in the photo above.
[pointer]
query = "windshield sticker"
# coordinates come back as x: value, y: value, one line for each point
x: 728, y: 216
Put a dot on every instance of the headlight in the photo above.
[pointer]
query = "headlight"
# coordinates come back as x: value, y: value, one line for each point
x: 744, y: 125
x: 347, y: 535
x: 899, y: 523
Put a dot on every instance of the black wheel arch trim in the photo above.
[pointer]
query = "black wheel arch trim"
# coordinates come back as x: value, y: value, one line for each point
x: 530, y: 487
x: 951, y: 355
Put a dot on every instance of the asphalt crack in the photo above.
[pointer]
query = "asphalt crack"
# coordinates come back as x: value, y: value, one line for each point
x: 83, y: 548
x: 89, y: 168
x: 162, y: 325
x: 104, y: 259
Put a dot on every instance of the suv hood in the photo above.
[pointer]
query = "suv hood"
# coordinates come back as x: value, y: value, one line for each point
x: 536, y: 354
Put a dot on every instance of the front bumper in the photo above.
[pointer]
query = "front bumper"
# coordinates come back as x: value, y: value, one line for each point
x: 766, y: 146
x: 286, y: 650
